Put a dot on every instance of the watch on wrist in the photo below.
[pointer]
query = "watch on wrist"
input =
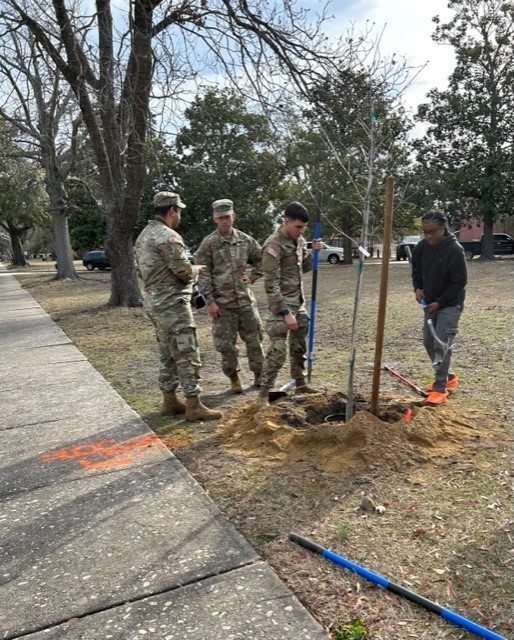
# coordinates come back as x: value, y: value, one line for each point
x: 284, y: 312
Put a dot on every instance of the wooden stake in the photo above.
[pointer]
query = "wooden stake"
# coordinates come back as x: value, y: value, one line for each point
x: 382, y: 300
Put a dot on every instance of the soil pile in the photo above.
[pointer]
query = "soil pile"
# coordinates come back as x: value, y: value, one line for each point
x: 293, y: 430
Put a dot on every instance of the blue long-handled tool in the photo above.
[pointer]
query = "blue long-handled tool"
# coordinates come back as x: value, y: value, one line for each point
x: 315, y: 260
x: 395, y: 588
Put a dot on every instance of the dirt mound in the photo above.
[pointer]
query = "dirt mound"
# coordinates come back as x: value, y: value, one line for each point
x: 293, y: 430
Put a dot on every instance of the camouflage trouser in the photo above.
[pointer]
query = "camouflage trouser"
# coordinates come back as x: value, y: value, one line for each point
x: 245, y: 322
x: 179, y: 355
x: 277, y: 351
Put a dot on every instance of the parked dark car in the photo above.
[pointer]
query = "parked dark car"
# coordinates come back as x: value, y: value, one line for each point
x: 401, y: 247
x: 96, y: 260
x: 503, y: 244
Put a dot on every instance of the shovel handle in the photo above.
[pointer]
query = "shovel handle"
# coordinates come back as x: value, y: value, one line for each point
x: 405, y: 381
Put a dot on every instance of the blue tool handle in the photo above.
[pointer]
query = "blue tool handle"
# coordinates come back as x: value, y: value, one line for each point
x: 451, y: 616
x: 361, y: 571
x: 315, y: 252
x: 312, y: 318
x: 470, y: 625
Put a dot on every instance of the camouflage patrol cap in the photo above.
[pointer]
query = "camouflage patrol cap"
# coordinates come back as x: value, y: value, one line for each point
x: 222, y: 207
x: 167, y: 199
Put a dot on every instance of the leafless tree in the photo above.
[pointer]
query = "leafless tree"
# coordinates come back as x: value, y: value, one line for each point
x: 140, y: 53
x: 37, y: 102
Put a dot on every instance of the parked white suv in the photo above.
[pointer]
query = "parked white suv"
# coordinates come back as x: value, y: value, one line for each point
x: 333, y: 255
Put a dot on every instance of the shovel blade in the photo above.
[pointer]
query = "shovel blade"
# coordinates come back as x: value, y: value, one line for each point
x: 276, y: 395
x: 282, y: 391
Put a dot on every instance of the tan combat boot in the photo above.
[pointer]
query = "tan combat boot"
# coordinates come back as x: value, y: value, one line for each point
x: 235, y: 384
x: 195, y: 410
x: 256, y: 379
x: 301, y: 387
x: 171, y: 405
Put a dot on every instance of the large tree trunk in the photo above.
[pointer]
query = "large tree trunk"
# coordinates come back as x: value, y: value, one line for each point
x: 59, y: 210
x: 65, y: 266
x: 119, y: 248
x: 487, y: 240
x: 124, y: 286
x: 18, y: 255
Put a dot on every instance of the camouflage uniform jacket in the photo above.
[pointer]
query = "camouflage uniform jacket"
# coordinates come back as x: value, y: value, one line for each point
x: 164, y: 268
x: 225, y: 261
x: 284, y: 260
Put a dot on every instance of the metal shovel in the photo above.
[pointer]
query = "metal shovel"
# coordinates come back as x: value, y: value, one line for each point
x: 445, y: 346
x: 282, y: 391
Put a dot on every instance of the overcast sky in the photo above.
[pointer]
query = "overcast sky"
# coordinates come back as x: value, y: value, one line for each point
x: 408, y: 30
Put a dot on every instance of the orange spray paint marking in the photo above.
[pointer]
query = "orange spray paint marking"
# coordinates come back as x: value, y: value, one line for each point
x: 107, y: 453
x: 172, y: 442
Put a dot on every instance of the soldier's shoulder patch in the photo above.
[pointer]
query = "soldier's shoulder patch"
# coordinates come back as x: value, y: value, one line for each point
x: 175, y: 237
x: 272, y: 251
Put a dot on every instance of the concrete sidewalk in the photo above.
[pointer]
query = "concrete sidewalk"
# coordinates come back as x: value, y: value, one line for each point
x: 103, y: 533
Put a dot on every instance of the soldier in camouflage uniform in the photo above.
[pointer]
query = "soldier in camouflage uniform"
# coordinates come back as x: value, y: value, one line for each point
x: 225, y: 284
x: 168, y: 275
x: 284, y: 260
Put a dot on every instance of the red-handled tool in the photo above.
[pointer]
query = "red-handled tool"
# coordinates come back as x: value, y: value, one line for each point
x: 405, y: 381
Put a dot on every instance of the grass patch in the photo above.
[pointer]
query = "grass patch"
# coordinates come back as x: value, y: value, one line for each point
x: 353, y: 630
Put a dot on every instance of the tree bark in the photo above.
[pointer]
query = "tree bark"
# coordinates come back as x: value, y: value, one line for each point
x: 18, y: 255
x: 487, y: 239
x: 65, y: 266
x: 124, y: 284
x: 59, y: 211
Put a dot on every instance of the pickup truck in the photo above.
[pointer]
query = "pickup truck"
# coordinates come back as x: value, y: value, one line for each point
x: 502, y: 245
